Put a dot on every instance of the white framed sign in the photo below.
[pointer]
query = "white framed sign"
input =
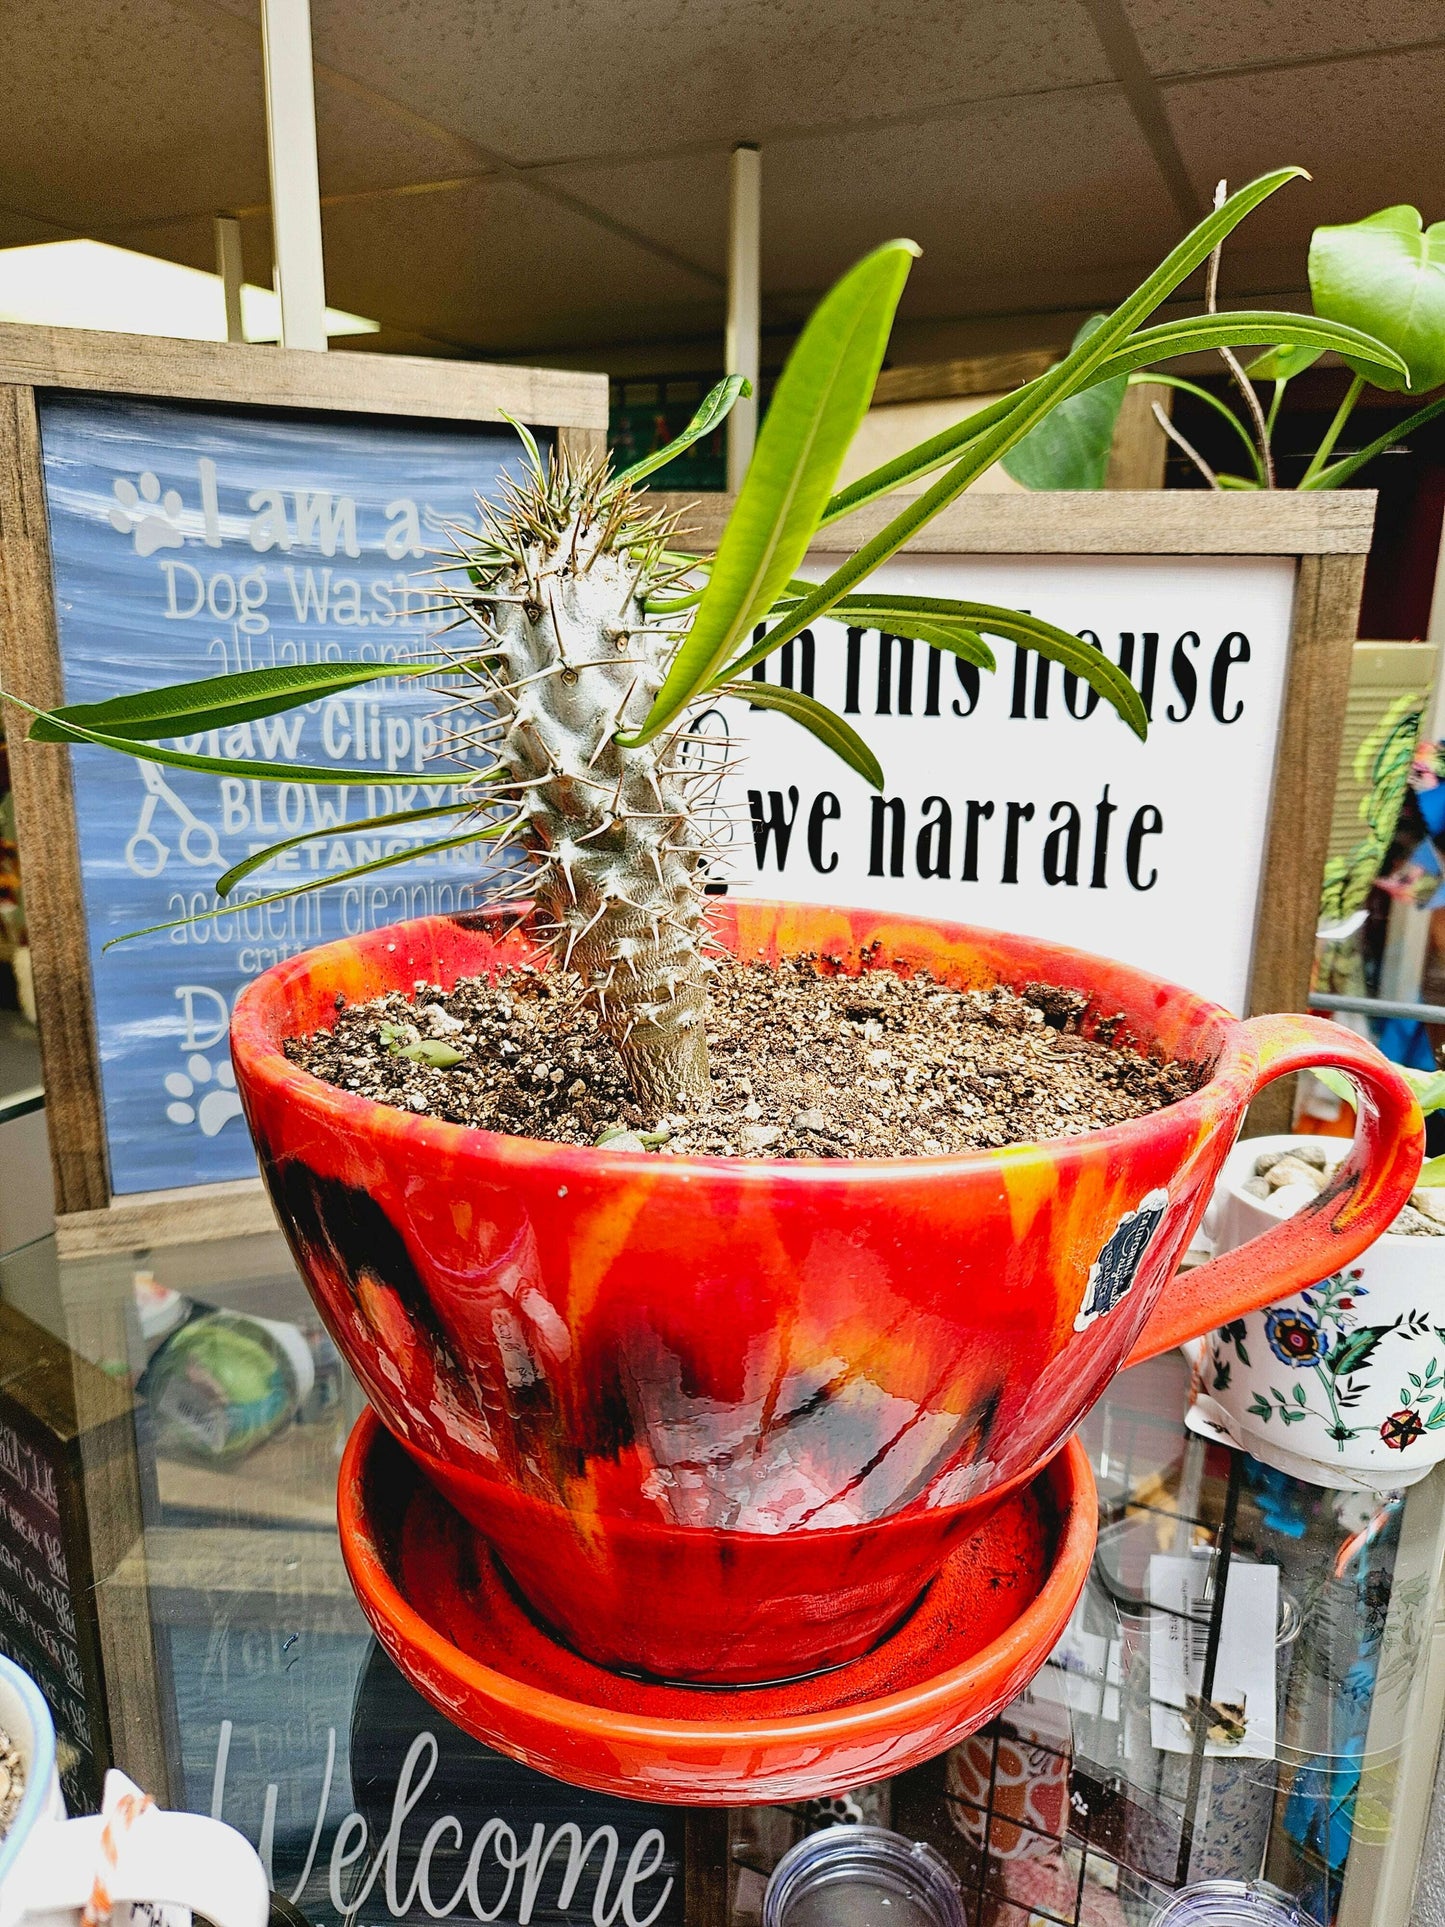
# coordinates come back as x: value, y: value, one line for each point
x: 1019, y: 800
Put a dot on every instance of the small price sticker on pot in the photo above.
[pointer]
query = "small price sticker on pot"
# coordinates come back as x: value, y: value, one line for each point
x: 1239, y: 1711
x: 149, y: 1913
x: 1112, y: 1274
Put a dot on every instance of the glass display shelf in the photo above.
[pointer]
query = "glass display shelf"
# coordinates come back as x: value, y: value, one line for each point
x: 1243, y: 1690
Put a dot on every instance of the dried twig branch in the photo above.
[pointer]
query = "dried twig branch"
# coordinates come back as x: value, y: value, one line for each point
x: 1180, y: 441
x: 1231, y: 361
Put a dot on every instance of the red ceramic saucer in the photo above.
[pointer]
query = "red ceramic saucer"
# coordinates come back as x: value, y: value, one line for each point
x: 441, y: 1608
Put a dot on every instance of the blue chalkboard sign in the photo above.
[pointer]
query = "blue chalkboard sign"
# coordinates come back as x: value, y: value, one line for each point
x: 192, y: 540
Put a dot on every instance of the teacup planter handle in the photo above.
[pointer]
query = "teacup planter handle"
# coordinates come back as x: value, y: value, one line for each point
x: 1360, y: 1202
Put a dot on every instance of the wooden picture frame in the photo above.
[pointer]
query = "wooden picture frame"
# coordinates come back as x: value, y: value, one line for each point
x: 1327, y: 534
x: 34, y: 362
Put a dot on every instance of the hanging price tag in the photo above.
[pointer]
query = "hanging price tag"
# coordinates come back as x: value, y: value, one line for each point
x: 1239, y: 1714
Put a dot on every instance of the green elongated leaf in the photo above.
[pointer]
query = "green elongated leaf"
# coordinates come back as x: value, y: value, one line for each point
x: 967, y: 643
x: 215, y: 702
x: 956, y: 638
x: 821, y: 397
x: 1386, y: 274
x: 229, y: 765
x: 527, y: 439
x: 1219, y: 407
x: 1162, y: 342
x: 1283, y: 363
x: 673, y: 605
x: 819, y: 720
x: 259, y: 858
x: 1340, y: 472
x: 870, y: 601
x: 1428, y: 1086
x: 302, y: 889
x: 1070, y: 448
x: 1091, y: 665
x: 1432, y: 1174
x: 923, y: 618
x: 1090, y: 354
x: 901, y: 615
x: 1247, y: 328
x: 716, y: 407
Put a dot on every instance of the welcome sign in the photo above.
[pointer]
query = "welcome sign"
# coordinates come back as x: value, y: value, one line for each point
x: 368, y: 1809
x: 1019, y: 800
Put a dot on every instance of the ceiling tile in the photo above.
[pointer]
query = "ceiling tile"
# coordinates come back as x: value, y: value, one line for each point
x: 1029, y: 201
x: 19, y: 230
x: 157, y: 113
x: 1185, y: 36
x: 990, y: 130
x: 147, y: 110
x: 1368, y: 132
x: 553, y: 79
x: 497, y: 268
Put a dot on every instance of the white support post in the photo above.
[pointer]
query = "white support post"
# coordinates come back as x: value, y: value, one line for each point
x: 232, y: 273
x: 295, y: 183
x: 744, y: 333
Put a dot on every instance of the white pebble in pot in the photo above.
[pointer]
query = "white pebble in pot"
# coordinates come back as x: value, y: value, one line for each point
x: 1289, y: 1198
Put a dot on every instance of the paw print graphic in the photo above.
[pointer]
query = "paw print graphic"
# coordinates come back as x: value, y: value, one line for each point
x: 143, y: 512
x: 213, y: 1108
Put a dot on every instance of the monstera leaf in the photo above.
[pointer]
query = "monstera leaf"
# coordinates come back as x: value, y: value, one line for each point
x: 1070, y: 448
x: 1386, y: 274
x: 1284, y: 362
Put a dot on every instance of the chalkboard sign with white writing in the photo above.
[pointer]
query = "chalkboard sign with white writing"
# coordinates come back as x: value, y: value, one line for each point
x: 69, y: 1514
x: 453, y: 1818
x: 189, y: 541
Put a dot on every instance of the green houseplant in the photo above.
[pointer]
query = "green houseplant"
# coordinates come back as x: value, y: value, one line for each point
x: 1384, y: 274
x: 593, y: 634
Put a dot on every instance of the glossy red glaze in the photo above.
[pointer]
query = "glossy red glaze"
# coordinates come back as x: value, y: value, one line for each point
x: 438, y: 1604
x: 724, y: 1419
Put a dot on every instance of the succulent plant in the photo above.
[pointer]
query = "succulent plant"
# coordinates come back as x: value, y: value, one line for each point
x: 587, y: 634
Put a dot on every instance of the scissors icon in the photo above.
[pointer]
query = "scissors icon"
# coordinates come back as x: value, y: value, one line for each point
x: 145, y: 854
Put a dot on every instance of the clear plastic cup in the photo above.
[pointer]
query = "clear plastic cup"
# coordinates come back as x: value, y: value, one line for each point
x: 1232, y: 1903
x: 862, y: 1877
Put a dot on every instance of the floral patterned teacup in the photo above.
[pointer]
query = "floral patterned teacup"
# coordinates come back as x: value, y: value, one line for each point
x: 1342, y: 1384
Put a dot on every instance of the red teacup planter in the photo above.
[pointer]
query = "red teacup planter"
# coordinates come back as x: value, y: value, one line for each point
x: 724, y: 1420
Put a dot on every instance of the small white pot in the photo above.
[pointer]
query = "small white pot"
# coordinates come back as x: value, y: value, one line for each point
x: 145, y: 1856
x: 26, y: 1718
x: 1342, y: 1385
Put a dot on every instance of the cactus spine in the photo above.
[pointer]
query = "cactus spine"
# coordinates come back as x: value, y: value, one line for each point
x: 562, y: 575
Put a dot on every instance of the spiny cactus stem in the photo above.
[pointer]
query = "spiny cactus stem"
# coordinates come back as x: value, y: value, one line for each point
x: 560, y: 638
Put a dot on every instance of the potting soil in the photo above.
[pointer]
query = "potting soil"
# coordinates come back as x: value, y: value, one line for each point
x: 803, y: 1065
